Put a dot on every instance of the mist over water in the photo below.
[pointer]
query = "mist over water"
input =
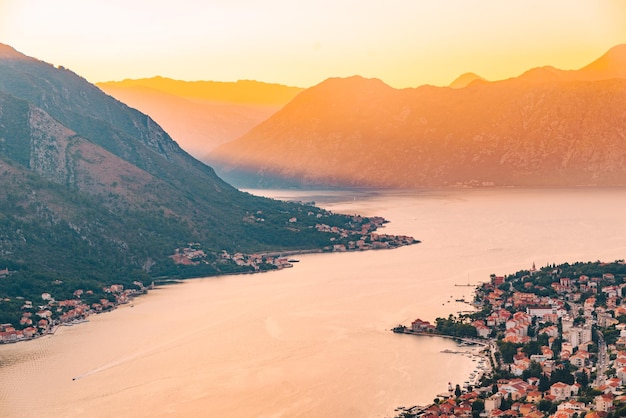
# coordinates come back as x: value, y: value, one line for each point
x: 314, y: 340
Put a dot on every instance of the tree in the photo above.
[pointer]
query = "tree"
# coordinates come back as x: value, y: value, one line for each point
x: 561, y: 375
x: 478, y: 406
x: 508, y: 350
x: 556, y: 346
x: 531, y: 347
x: 544, y: 383
x: 457, y: 391
x: 544, y: 405
x: 543, y: 339
x: 506, y: 403
x: 582, y: 379
x: 534, y: 370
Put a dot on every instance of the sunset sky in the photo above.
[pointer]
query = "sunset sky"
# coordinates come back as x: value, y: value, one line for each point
x: 405, y: 43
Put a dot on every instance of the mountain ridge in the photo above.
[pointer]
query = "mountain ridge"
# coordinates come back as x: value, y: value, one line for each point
x: 465, y: 80
x: 547, y: 127
x: 240, y: 91
x: 201, y: 115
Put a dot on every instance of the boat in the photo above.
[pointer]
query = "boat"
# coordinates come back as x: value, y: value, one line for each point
x: 293, y: 260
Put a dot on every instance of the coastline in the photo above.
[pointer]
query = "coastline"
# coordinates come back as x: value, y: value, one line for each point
x: 11, y: 335
x: 485, y: 367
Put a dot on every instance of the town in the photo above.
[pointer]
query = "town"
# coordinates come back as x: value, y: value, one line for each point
x: 551, y: 343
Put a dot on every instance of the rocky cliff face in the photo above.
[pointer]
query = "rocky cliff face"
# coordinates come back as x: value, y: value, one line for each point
x: 545, y: 128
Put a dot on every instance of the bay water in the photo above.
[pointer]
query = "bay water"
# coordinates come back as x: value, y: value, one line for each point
x: 314, y: 340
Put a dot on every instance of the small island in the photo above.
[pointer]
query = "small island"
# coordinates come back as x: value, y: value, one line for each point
x: 551, y: 342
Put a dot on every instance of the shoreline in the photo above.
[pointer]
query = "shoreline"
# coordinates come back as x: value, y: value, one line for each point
x: 130, y: 295
x: 472, y: 381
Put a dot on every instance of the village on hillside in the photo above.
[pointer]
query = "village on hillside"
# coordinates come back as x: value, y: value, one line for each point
x: 551, y: 343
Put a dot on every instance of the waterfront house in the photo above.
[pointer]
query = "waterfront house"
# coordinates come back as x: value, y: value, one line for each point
x: 422, y: 326
x: 496, y: 280
x: 447, y: 407
x: 483, y: 331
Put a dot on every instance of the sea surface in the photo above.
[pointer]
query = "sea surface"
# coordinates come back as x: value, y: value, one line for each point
x: 314, y: 340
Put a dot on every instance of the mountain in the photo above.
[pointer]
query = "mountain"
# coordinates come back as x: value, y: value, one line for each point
x: 465, y: 80
x: 610, y: 65
x: 94, y: 193
x: 547, y: 127
x: 200, y: 115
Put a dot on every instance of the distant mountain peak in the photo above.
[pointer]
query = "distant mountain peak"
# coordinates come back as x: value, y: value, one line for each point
x: 542, y: 74
x: 612, y: 63
x: 354, y: 80
x: 355, y: 84
x: 241, y: 91
x: 465, y: 80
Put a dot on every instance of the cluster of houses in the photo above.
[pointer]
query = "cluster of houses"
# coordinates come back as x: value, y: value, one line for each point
x: 190, y: 255
x: 522, y: 399
x: 193, y: 255
x: 38, y: 320
x: 256, y: 260
x: 514, y: 312
x: 367, y: 240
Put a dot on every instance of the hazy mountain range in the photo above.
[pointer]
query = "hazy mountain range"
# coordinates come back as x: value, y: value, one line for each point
x: 547, y: 127
x: 95, y: 192
x: 200, y: 115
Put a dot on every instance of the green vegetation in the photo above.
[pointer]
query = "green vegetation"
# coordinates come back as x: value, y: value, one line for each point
x: 455, y: 327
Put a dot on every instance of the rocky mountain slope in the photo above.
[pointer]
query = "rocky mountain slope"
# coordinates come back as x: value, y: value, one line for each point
x: 547, y: 127
x: 201, y: 115
x: 95, y: 192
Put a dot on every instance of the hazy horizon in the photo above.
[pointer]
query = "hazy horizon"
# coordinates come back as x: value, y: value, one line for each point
x: 404, y: 44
